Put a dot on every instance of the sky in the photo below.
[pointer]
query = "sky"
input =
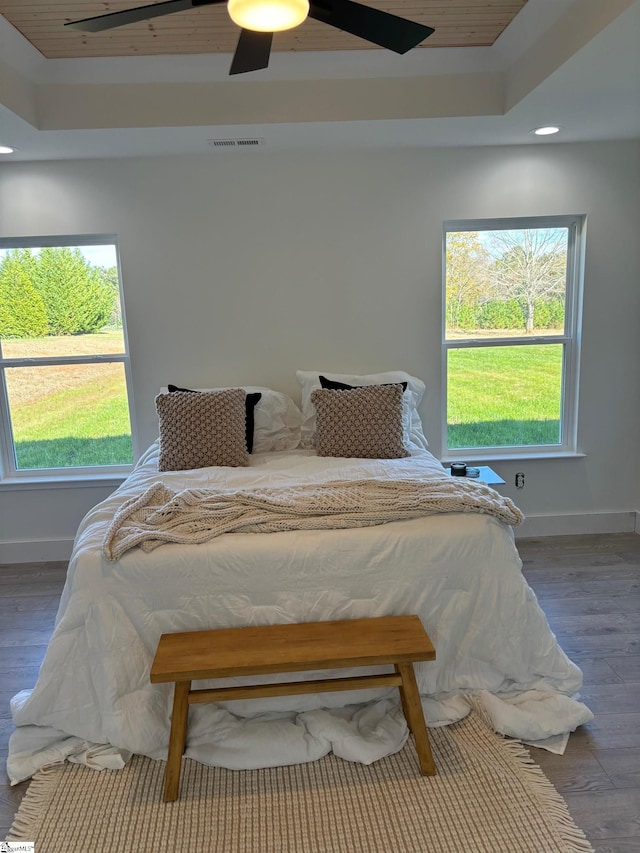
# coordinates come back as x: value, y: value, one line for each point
x: 97, y: 256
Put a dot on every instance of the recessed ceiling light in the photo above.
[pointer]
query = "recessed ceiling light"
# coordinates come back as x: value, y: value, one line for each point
x: 545, y: 131
x: 4, y: 149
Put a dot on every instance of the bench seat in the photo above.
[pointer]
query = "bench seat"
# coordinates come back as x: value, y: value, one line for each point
x: 396, y: 641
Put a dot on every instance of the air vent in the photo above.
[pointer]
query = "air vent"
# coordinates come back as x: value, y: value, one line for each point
x: 256, y: 142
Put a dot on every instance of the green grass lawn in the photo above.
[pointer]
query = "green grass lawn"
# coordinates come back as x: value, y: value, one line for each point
x: 496, y: 396
x: 68, y: 415
x: 86, y: 424
x: 504, y: 396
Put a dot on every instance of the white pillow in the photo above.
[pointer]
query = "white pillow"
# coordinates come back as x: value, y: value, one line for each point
x: 414, y: 435
x: 277, y: 419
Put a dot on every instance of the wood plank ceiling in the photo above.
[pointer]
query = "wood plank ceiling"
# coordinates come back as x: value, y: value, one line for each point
x: 457, y: 23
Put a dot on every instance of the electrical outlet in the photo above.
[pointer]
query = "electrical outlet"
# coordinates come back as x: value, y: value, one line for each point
x: 520, y: 480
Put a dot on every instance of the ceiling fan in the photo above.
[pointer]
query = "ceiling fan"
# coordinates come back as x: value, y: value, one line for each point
x: 259, y: 19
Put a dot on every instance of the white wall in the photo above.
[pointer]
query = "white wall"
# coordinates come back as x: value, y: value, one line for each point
x: 241, y: 267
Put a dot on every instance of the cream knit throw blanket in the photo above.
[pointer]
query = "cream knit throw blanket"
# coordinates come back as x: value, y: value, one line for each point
x: 194, y: 516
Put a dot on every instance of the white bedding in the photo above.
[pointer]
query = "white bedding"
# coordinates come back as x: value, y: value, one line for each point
x: 459, y: 572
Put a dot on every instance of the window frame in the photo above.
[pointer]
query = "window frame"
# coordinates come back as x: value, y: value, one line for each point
x: 570, y: 339
x: 10, y: 474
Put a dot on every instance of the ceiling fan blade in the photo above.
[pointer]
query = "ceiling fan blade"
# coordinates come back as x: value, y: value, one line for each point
x: 141, y: 13
x: 382, y: 28
x: 252, y: 52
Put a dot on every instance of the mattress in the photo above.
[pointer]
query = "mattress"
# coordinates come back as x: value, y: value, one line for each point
x: 459, y: 572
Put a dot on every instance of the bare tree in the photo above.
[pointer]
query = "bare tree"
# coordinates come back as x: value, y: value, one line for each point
x: 530, y: 265
x: 467, y: 276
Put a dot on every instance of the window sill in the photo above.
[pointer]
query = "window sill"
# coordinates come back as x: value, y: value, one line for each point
x: 467, y: 456
x: 69, y: 482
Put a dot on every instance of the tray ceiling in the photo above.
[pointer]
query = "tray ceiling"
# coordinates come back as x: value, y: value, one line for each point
x: 572, y: 63
x: 457, y: 23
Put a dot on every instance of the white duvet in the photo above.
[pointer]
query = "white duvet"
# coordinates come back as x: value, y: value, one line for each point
x: 460, y: 573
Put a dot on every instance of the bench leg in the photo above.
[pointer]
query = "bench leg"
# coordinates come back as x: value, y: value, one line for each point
x: 412, y: 707
x: 177, y: 740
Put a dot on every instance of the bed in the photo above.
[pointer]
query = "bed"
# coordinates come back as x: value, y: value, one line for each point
x: 458, y: 570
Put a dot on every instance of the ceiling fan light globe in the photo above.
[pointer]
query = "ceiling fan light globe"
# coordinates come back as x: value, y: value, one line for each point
x: 268, y: 16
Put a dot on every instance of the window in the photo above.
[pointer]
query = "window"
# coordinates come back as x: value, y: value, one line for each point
x: 64, y: 363
x: 512, y: 293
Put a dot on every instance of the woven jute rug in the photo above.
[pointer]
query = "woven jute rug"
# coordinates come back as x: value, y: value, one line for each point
x: 488, y: 797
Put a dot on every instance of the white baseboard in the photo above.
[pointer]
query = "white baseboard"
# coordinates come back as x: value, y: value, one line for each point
x: 578, y: 524
x: 48, y: 550
x: 36, y: 551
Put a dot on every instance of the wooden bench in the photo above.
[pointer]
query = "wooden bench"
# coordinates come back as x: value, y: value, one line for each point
x: 229, y: 652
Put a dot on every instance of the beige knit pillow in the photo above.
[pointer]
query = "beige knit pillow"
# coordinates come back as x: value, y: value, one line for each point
x: 199, y: 430
x: 365, y: 423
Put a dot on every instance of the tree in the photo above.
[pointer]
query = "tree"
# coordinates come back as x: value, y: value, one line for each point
x: 24, y: 258
x: 109, y: 277
x: 76, y: 298
x: 467, y: 264
x: 530, y: 266
x: 22, y: 311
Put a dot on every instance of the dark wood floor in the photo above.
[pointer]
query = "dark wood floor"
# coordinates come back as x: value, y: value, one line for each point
x: 589, y: 586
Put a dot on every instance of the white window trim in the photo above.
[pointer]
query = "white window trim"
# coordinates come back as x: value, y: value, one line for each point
x: 12, y: 477
x: 571, y: 340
